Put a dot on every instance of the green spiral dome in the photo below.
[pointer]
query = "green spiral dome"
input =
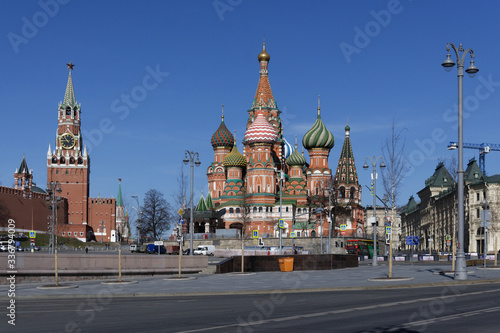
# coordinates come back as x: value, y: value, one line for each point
x: 296, y: 159
x: 318, y: 136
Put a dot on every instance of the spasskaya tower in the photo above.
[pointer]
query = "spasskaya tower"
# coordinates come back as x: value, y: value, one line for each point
x: 69, y: 163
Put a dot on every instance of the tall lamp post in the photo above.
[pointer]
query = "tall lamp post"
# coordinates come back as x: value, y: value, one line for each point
x: 374, y: 161
x: 53, y: 187
x: 330, y: 188
x: 460, y: 271
x: 192, y: 155
x: 138, y: 220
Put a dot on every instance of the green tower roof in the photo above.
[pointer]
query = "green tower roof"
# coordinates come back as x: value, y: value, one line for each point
x: 119, y: 199
x: 69, y: 95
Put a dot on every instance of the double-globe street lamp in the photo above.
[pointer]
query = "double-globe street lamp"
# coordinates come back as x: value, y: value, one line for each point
x: 374, y: 161
x: 460, y: 269
x: 192, y: 155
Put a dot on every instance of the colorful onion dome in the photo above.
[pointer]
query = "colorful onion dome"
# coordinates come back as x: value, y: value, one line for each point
x: 222, y: 137
x: 318, y: 136
x: 234, y: 159
x: 260, y: 131
x: 287, y: 149
x: 347, y: 128
x: 296, y: 159
x: 264, y: 56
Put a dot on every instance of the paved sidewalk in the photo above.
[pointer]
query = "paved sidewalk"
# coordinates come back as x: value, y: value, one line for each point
x: 417, y: 274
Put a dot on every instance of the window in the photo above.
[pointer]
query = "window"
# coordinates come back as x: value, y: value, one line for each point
x: 63, y: 233
x: 286, y: 209
x: 237, y: 210
x: 260, y: 209
x: 477, y: 196
x: 255, y: 209
x: 231, y: 210
x: 81, y: 233
x: 478, y: 213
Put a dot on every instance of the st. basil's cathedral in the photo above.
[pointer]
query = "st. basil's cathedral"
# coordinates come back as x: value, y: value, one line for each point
x: 252, y: 186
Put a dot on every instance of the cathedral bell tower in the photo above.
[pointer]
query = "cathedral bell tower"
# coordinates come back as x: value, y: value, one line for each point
x: 68, y: 163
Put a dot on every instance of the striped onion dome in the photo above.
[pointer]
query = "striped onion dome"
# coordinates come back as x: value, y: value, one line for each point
x: 260, y: 131
x: 296, y: 159
x: 234, y: 159
x: 288, y: 149
x: 222, y: 137
x: 318, y: 136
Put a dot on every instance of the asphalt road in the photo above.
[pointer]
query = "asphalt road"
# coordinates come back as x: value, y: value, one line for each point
x: 464, y: 308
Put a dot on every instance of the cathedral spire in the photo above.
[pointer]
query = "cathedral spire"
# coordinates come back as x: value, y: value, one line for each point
x: 69, y: 95
x: 264, y: 94
x: 119, y: 199
x: 346, y: 169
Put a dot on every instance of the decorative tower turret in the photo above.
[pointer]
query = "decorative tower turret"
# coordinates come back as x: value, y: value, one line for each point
x: 222, y: 142
x: 23, y: 177
x: 348, y: 191
x: 259, y: 140
x: 318, y: 141
x: 296, y: 186
x: 121, y: 216
x: 69, y: 163
x: 235, y: 163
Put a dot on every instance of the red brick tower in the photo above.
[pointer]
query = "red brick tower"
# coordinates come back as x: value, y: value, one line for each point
x: 69, y: 163
x: 23, y: 177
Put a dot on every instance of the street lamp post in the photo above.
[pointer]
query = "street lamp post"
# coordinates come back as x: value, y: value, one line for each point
x: 192, y: 155
x: 281, y: 211
x: 374, y: 161
x: 330, y: 189
x: 460, y: 269
x: 138, y: 220
x: 52, y: 189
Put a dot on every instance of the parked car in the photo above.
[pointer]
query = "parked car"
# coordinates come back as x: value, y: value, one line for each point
x: 186, y: 251
x: 34, y: 247
x: 4, y: 248
x: 19, y: 249
x: 133, y: 247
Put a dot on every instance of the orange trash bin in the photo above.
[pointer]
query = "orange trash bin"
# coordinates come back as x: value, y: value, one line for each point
x: 286, y: 264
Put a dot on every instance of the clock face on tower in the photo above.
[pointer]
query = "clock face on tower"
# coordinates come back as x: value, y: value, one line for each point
x: 67, y: 141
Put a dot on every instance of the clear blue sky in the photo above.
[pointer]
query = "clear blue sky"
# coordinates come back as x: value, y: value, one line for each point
x: 210, y: 55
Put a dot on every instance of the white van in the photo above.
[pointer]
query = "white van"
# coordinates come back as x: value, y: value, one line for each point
x: 133, y: 247
x: 206, y: 250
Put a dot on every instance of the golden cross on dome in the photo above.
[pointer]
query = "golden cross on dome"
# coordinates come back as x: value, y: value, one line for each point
x: 70, y: 65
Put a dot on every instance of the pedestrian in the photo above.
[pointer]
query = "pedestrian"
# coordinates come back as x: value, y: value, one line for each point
x: 86, y: 250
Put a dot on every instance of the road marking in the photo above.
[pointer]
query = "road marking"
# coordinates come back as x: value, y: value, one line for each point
x: 324, y: 313
x: 445, y: 318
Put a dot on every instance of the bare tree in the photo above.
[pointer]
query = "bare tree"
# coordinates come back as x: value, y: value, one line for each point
x: 393, y: 151
x: 451, y: 164
x: 156, y: 214
x: 179, y: 196
x: 245, y: 211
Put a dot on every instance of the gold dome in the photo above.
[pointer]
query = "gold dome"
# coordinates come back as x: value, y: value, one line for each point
x: 264, y: 56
